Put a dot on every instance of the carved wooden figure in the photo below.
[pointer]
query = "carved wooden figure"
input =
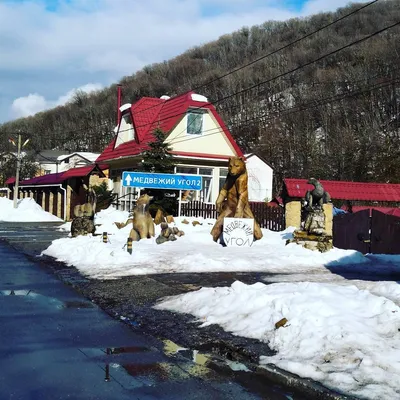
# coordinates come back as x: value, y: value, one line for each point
x: 233, y: 199
x: 142, y: 223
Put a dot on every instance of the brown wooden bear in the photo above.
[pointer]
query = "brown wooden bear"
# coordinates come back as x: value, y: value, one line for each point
x: 233, y: 199
x: 143, y: 225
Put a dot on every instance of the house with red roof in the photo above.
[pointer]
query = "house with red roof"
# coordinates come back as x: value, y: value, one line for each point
x: 58, y: 193
x: 200, y: 141
x: 384, y: 197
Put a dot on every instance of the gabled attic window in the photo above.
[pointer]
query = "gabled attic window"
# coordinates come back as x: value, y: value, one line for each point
x: 194, y: 122
x: 125, y: 133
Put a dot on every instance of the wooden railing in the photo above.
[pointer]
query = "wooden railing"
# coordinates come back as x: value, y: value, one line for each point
x: 268, y: 217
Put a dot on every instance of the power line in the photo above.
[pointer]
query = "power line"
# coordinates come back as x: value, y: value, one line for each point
x: 275, y: 77
x: 358, y: 41
x: 286, y: 46
x: 274, y: 51
x: 295, y: 109
x: 303, y: 106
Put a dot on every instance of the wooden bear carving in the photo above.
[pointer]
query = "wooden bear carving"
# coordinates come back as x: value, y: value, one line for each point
x: 233, y: 199
x: 142, y: 223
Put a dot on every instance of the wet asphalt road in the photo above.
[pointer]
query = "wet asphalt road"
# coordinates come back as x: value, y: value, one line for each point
x: 57, y: 344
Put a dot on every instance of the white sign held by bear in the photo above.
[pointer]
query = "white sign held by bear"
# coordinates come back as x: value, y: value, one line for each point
x: 238, y: 232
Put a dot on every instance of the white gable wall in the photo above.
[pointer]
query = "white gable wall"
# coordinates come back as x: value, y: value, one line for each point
x: 260, y: 179
x: 126, y: 131
x: 211, y: 141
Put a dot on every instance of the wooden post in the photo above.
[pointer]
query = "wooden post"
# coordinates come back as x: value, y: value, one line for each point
x: 59, y: 202
x: 180, y: 203
x: 68, y: 205
x: 51, y: 201
x: 129, y: 245
x: 43, y: 199
x: 328, y: 211
x: 293, y: 214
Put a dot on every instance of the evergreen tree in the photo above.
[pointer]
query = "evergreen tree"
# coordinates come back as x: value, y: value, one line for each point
x: 158, y: 158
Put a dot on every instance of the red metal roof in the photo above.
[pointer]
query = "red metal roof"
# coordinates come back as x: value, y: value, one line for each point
x: 150, y: 113
x: 54, y: 179
x: 347, y: 190
x: 9, y: 181
x: 48, y: 179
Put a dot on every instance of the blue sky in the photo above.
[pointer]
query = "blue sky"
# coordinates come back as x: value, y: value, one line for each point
x: 50, y: 48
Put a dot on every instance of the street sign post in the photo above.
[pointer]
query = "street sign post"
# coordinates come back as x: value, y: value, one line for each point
x: 150, y: 180
x: 161, y: 181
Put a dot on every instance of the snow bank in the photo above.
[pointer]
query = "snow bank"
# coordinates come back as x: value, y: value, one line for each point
x: 346, y: 338
x: 194, y: 252
x: 27, y: 211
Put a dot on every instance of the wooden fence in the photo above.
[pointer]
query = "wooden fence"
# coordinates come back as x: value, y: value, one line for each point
x: 272, y: 218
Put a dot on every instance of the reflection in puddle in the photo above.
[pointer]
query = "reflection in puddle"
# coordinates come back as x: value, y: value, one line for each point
x: 17, y: 293
x: 46, y: 300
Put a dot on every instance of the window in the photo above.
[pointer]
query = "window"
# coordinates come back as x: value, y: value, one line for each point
x: 194, y: 123
x: 186, y: 170
x: 47, y: 171
x: 207, y: 177
x: 223, y: 173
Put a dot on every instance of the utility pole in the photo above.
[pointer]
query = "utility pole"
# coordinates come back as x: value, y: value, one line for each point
x: 19, y: 147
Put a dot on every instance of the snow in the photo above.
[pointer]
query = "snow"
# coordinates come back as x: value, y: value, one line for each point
x: 194, y: 252
x: 27, y: 211
x: 125, y: 107
x: 342, y: 333
x: 346, y: 338
x: 199, y: 97
x: 88, y: 155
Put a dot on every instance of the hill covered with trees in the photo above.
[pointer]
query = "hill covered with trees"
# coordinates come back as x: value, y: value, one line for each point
x: 326, y: 106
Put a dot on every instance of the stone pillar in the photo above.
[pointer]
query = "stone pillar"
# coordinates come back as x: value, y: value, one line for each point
x: 59, y: 202
x: 31, y: 194
x: 51, y: 202
x: 293, y: 214
x: 43, y: 199
x: 328, y: 211
x: 68, y: 205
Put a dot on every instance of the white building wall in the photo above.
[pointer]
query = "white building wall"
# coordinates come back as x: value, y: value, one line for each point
x: 260, y: 179
x: 126, y: 132
x: 211, y: 141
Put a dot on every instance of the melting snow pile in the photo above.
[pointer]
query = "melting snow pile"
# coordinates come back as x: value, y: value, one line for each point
x: 27, y: 211
x: 194, y: 252
x: 346, y: 338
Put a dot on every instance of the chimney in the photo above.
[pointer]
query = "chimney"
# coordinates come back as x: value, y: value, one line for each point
x: 119, y: 102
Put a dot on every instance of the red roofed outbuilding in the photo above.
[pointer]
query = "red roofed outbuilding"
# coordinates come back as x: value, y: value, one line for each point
x: 382, y: 196
x: 199, y: 139
x: 59, y: 193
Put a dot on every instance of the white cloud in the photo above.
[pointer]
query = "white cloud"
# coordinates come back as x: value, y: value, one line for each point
x: 34, y: 102
x: 112, y: 38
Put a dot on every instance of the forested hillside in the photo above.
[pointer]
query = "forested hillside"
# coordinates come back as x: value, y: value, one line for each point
x: 332, y: 118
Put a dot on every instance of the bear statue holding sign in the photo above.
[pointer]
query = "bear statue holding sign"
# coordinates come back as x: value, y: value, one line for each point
x: 233, y: 199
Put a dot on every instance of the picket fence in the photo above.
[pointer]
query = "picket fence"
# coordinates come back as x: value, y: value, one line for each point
x: 272, y: 218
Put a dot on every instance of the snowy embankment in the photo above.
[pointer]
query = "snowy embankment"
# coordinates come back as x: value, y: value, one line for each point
x: 347, y: 339
x: 194, y: 252
x: 344, y: 334
x: 27, y: 211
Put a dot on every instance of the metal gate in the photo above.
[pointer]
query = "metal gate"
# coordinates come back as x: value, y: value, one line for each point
x: 385, y: 233
x: 378, y: 234
x: 352, y: 231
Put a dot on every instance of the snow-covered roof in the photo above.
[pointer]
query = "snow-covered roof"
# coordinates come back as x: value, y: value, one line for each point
x: 84, y: 154
x: 199, y: 97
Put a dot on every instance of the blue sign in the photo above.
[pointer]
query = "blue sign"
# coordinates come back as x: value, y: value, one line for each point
x: 161, y: 181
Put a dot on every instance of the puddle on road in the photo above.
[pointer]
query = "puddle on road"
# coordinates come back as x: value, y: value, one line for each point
x: 77, y: 304
x: 46, y: 300
x: 202, y: 364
